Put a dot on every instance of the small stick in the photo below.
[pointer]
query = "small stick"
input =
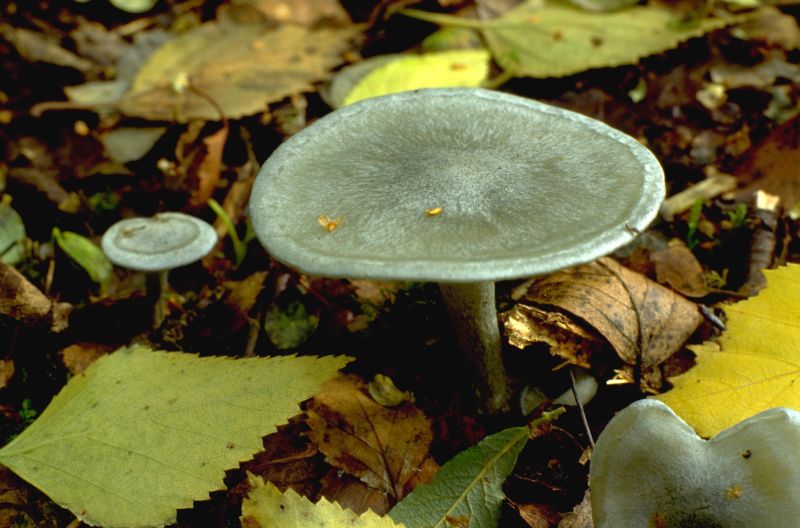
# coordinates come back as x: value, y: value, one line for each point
x: 580, y: 408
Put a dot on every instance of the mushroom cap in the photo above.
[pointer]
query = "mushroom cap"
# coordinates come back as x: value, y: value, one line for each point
x: 162, y: 242
x: 649, y: 468
x: 524, y: 188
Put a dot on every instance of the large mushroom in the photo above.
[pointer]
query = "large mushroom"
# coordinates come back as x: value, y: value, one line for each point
x: 460, y: 186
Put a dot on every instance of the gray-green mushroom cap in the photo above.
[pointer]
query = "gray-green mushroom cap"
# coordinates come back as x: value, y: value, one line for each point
x: 452, y: 185
x: 162, y: 242
x: 649, y: 468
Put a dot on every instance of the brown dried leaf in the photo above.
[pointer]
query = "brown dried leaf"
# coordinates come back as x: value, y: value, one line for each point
x: 526, y: 325
x: 677, y: 266
x: 207, y: 172
x: 375, y: 292
x: 21, y: 300
x: 242, y: 294
x: 6, y: 373
x: 77, y: 357
x: 289, y: 460
x: 771, y: 165
x: 385, y: 447
x: 626, y: 308
x: 241, y: 67
x: 353, y: 494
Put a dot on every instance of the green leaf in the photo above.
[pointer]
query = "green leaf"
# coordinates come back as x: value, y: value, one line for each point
x: 290, y: 327
x: 560, y: 39
x: 431, y: 70
x: 467, y: 488
x: 142, y: 433
x: 267, y: 507
x: 554, y: 38
x: 85, y: 253
x: 12, y: 234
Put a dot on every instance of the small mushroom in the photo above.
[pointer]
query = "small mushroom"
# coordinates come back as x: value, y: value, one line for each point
x: 520, y: 188
x: 156, y: 245
x: 649, y: 468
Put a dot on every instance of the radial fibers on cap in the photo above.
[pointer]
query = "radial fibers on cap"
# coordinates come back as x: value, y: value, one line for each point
x: 519, y: 188
x: 162, y: 242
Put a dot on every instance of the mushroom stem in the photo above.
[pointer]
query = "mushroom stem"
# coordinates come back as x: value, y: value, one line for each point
x: 157, y: 283
x: 474, y: 316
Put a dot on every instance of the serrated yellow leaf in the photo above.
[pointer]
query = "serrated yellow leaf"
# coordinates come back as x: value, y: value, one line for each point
x: 142, y: 433
x: 754, y: 365
x: 432, y: 70
x: 267, y: 507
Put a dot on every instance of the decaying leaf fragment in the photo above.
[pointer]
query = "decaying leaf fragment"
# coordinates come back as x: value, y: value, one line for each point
x: 386, y: 447
x: 267, y: 507
x: 754, y: 364
x: 240, y: 67
x: 21, y: 300
x: 677, y: 266
x: 638, y: 317
x: 525, y: 325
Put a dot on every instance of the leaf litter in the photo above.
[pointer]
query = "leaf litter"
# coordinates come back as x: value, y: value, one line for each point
x: 699, y: 103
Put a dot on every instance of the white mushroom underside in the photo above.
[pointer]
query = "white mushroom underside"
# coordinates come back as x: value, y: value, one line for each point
x: 524, y: 188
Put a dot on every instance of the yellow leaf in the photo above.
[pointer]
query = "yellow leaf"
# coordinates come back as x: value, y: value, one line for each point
x: 754, y: 365
x: 432, y: 70
x: 266, y: 507
x: 142, y: 433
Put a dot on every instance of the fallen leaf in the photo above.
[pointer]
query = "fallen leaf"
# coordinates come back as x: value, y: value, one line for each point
x: 21, y: 300
x: 130, y: 144
x: 430, y: 70
x: 12, y: 234
x: 242, y: 295
x: 769, y: 24
x: 78, y: 356
x: 469, y: 486
x: 289, y: 459
x: 352, y: 494
x: 771, y: 165
x: 267, y: 507
x: 22, y: 506
x: 636, y: 315
x: 761, y: 75
x: 208, y: 170
x: 85, y: 254
x: 302, y: 12
x: 752, y: 366
x: 677, y: 266
x: 386, y: 447
x: 289, y: 327
x: 35, y: 47
x: 138, y: 421
x: 526, y: 325
x: 6, y: 373
x: 383, y: 390
x: 240, y: 67
x: 555, y: 39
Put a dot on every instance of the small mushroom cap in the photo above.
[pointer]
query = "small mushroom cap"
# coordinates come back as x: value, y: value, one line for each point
x: 649, y: 468
x: 162, y: 242
x: 452, y: 185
